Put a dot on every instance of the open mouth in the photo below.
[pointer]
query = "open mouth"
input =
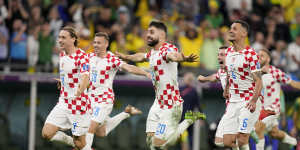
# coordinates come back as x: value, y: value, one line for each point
x: 221, y: 62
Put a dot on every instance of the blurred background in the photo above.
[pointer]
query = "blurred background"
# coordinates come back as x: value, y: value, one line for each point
x: 29, y: 61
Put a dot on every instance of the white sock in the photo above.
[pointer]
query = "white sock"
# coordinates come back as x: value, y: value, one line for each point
x: 89, y: 138
x: 245, y: 147
x: 63, y: 138
x: 221, y: 144
x: 237, y: 146
x: 87, y: 147
x: 289, y: 140
x: 180, y: 129
x: 261, y: 144
x: 115, y: 121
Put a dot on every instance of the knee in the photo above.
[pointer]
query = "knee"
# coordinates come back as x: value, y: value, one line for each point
x: 78, y: 143
x: 46, y: 134
x: 228, y: 142
x: 242, y: 139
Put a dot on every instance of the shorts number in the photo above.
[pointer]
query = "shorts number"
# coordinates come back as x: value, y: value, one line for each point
x: 245, y: 124
x: 160, y: 129
x: 96, y: 112
x: 74, y: 126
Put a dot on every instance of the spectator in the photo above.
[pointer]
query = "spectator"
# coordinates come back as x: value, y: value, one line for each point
x: 259, y: 41
x: 16, y: 10
x: 134, y: 42
x: 18, y: 44
x: 3, y: 41
x: 32, y: 48
x: 35, y: 17
x: 215, y: 18
x: 47, y: 44
x: 105, y: 20
x: 191, y: 100
x: 295, y: 26
x: 294, y: 57
x: 85, y: 42
x: 191, y: 43
x: 270, y: 30
x: 279, y: 55
x: 123, y: 19
x: 119, y: 43
x: 209, y: 50
x: 55, y: 21
x: 3, y: 10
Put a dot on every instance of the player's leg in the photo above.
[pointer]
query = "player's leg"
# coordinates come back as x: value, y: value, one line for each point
x: 151, y: 124
x: 230, y: 125
x: 80, y: 126
x: 247, y: 122
x: 56, y: 120
x: 100, y: 113
x: 220, y: 133
x: 282, y: 136
x: 260, y: 129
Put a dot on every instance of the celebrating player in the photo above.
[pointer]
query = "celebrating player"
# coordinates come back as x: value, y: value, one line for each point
x: 103, y: 68
x: 219, y: 76
x: 71, y: 111
x: 272, y: 78
x: 243, y: 88
x: 162, y: 125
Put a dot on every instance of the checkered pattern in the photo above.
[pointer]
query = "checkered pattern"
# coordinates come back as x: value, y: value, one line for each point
x: 106, y: 97
x: 71, y: 68
x: 221, y: 76
x: 271, y: 88
x: 164, y: 76
x: 240, y: 65
x: 169, y: 97
x: 102, y: 73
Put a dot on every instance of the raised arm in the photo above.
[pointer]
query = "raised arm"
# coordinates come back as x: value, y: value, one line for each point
x: 210, y: 78
x: 179, y: 57
x: 135, y: 70
x: 137, y: 57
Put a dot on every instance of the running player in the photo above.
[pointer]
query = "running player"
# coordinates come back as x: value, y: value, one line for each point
x: 243, y: 88
x: 272, y: 78
x: 71, y: 111
x: 219, y: 76
x: 162, y: 125
x: 103, y: 68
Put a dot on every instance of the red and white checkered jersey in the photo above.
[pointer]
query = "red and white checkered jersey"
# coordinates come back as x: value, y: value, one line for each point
x: 164, y: 76
x: 102, y: 73
x: 240, y: 65
x: 221, y: 75
x: 71, y: 69
x: 271, y: 88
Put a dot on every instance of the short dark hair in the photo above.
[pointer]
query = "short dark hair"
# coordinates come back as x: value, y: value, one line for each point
x: 223, y: 47
x: 244, y: 24
x: 102, y: 34
x: 159, y: 25
x: 266, y: 51
x: 72, y: 33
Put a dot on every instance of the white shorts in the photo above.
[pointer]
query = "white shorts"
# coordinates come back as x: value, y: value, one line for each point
x: 270, y: 122
x: 101, y: 112
x: 64, y: 119
x: 239, y: 119
x: 220, y: 129
x: 163, y: 122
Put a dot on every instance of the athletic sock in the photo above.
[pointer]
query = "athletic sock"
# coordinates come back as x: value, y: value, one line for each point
x: 63, y: 138
x: 115, y: 121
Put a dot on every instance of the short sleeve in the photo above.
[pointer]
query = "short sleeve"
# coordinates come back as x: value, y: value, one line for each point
x: 116, y: 62
x: 167, y: 49
x: 281, y: 77
x: 147, y: 55
x: 252, y: 58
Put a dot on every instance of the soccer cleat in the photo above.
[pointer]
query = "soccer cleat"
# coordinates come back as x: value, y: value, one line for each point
x: 194, y: 115
x: 132, y: 110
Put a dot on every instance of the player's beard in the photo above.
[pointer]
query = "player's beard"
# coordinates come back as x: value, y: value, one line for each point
x: 153, y: 42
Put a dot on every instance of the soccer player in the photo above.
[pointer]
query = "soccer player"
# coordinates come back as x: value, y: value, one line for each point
x: 272, y: 78
x: 243, y: 88
x: 103, y: 68
x: 219, y: 76
x: 162, y: 125
x: 72, y: 109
